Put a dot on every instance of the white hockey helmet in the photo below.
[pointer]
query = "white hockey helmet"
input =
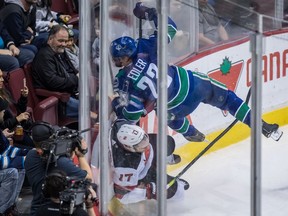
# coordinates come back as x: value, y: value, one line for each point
x: 130, y: 135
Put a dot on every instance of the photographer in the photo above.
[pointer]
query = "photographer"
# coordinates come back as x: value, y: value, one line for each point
x: 38, y: 163
x: 56, y: 184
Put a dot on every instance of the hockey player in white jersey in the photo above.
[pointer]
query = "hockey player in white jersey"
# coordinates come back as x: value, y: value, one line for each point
x: 134, y: 162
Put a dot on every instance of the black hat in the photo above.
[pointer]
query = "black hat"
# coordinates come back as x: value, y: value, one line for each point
x: 3, y: 104
x: 41, y: 131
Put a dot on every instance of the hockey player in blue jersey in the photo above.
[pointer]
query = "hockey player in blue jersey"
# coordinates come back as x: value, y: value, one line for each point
x: 136, y: 82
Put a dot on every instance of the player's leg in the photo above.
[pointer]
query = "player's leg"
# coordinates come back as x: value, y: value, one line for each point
x: 182, y: 125
x: 171, y: 158
x: 242, y: 112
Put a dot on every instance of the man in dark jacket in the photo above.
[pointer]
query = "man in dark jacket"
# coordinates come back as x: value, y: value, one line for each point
x: 19, y: 18
x: 53, y: 70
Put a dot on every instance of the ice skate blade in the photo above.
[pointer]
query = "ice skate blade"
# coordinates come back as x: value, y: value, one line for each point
x: 276, y: 135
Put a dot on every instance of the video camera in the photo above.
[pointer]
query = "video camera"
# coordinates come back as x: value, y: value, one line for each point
x: 63, y: 142
x: 75, y: 195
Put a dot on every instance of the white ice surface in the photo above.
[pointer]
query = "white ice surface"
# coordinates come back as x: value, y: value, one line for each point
x: 220, y: 182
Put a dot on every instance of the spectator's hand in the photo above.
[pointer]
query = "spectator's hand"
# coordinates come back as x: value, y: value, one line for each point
x: 53, y: 23
x: 7, y: 133
x: 30, y: 30
x: 6, y: 52
x: 23, y: 116
x: 15, y: 51
x: 142, y: 12
x: 25, y: 90
x: 65, y: 18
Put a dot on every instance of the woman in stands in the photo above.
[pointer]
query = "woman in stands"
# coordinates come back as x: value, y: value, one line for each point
x: 22, y: 117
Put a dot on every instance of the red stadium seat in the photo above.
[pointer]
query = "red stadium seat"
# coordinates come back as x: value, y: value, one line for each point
x: 41, y: 94
x: 41, y: 110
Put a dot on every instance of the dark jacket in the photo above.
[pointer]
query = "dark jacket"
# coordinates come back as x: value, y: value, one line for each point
x: 10, y: 120
x: 16, y: 21
x: 5, y: 35
x: 49, y: 72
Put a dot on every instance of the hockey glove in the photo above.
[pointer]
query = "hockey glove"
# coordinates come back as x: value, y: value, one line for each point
x: 116, y: 104
x: 142, y: 12
x: 151, y: 190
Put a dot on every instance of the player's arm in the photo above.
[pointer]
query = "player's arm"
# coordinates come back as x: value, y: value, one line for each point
x: 143, y: 12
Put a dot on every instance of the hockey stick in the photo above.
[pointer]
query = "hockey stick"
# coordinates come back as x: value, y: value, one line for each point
x: 207, y: 147
x: 140, y: 28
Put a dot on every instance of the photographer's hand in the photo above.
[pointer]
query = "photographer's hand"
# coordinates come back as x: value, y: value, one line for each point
x: 91, y: 201
x: 82, y: 160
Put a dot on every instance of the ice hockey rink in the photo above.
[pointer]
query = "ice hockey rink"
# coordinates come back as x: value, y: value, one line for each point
x: 220, y: 183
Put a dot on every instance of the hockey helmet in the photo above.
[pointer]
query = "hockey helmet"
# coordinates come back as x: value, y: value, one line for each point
x: 130, y: 135
x: 123, y: 46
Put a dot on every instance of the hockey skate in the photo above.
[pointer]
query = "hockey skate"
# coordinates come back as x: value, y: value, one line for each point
x: 271, y: 130
x: 173, y: 159
x: 197, y: 137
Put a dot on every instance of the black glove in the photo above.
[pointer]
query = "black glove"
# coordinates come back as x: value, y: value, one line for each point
x: 142, y: 12
x: 151, y: 190
x: 117, y: 108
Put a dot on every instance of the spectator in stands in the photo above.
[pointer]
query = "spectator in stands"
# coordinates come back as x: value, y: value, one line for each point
x: 53, y: 70
x: 23, y: 117
x: 19, y: 18
x: 12, y: 57
x: 10, y: 157
x: 72, y: 49
x: 9, y: 180
x: 211, y: 30
x: 46, y: 19
x: 38, y: 165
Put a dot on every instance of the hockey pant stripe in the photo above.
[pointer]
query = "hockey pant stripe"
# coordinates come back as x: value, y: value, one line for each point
x: 237, y: 108
x: 242, y: 113
x: 179, y: 125
x: 183, y: 91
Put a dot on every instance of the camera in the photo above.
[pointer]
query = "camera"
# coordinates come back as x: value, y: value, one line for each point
x: 75, y: 195
x: 63, y: 142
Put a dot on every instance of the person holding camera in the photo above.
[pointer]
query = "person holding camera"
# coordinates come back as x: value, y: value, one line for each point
x: 57, y: 187
x: 42, y: 160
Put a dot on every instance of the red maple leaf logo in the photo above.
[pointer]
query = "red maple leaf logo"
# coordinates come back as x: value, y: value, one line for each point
x: 229, y: 74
